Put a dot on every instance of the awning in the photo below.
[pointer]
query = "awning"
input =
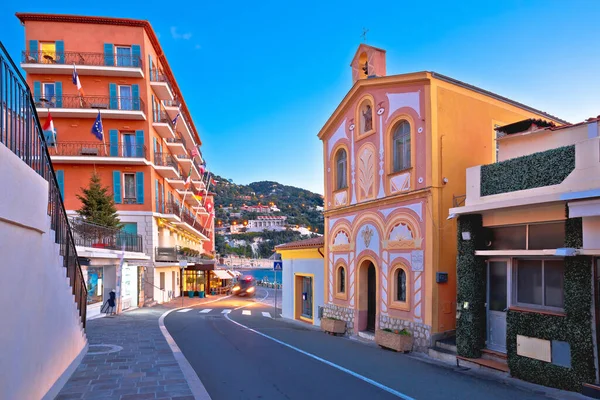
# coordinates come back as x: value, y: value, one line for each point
x: 221, y: 274
x: 234, y: 273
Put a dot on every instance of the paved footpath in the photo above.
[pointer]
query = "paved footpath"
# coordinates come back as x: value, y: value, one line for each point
x: 144, y: 368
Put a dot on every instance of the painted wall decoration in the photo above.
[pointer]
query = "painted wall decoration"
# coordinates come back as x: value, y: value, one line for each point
x: 341, y: 198
x: 400, y: 183
x: 366, y: 173
x: 399, y: 100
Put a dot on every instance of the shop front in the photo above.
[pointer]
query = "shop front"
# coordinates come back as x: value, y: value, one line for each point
x: 196, y: 280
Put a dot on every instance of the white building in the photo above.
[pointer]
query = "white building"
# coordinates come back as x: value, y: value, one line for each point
x: 266, y: 222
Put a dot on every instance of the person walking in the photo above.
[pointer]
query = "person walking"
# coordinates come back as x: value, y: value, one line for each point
x: 109, y: 306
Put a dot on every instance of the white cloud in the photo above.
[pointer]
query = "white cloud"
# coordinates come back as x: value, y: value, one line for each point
x: 176, y: 35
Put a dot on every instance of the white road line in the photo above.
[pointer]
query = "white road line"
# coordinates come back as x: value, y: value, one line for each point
x: 266, y: 314
x: 226, y: 311
x: 324, y: 361
x: 185, y: 310
x: 246, y: 312
x: 206, y: 310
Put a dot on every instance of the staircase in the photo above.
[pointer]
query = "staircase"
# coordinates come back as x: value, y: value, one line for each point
x: 445, y: 351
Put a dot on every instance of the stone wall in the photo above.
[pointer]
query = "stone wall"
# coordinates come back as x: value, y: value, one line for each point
x: 343, y: 313
x: 420, y: 332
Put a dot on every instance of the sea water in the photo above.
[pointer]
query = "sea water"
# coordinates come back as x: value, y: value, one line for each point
x: 262, y: 274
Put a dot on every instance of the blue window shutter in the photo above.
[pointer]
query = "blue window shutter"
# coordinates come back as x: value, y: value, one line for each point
x: 139, y: 143
x: 135, y: 93
x: 37, y: 90
x: 60, y: 51
x: 114, y: 101
x: 117, y: 186
x: 33, y: 50
x: 136, y: 55
x: 113, y: 140
x: 150, y: 66
x: 155, y: 145
x: 139, y: 184
x: 109, y: 54
x: 60, y: 178
x: 58, y: 91
x: 156, y: 195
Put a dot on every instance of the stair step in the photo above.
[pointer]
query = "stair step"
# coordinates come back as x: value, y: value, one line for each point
x: 494, y: 355
x: 442, y: 354
x: 482, y: 362
x: 591, y: 390
x: 367, y: 335
x: 446, y: 345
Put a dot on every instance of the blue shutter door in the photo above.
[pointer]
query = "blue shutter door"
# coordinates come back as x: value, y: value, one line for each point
x: 135, y: 94
x: 156, y: 195
x: 150, y: 66
x: 139, y: 143
x: 60, y: 178
x: 33, y: 50
x: 114, y: 101
x: 113, y: 140
x: 58, y: 94
x: 60, y: 51
x: 139, y: 183
x: 37, y: 90
x: 117, y: 186
x: 136, y: 55
x: 109, y: 55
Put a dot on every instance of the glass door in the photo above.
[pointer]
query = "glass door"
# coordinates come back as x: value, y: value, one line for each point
x: 307, y: 297
x: 124, y: 57
x: 497, y: 305
x: 125, y: 100
x: 129, y: 145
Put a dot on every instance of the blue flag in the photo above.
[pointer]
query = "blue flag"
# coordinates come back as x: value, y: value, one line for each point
x: 175, y: 119
x: 97, y: 129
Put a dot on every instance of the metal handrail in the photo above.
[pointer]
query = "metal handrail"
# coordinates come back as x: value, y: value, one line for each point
x: 123, y: 103
x: 21, y: 132
x: 161, y: 116
x: 90, y: 149
x: 81, y: 58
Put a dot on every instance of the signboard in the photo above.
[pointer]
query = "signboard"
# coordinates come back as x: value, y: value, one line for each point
x: 416, y: 260
x: 277, y: 265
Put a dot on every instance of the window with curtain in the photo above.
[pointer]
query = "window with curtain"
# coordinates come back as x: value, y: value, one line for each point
x: 123, y: 56
x: 129, y: 186
x: 341, y: 280
x: 341, y: 163
x: 125, y: 100
x: 129, y: 145
x: 401, y: 146
x: 400, y: 285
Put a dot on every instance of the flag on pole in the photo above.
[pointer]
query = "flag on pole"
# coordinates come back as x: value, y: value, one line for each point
x: 49, y: 131
x: 188, y: 180
x: 209, y: 207
x: 202, y: 170
x: 195, y: 152
x: 175, y: 120
x: 49, y: 125
x: 97, y: 129
x: 213, y: 182
x: 76, y: 81
x: 198, y: 197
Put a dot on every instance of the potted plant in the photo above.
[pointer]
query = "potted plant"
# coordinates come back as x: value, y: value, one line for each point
x: 190, y: 282
x: 398, y: 340
x: 333, y: 326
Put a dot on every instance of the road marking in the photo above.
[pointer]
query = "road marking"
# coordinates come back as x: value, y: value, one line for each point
x: 185, y: 310
x: 246, y: 312
x: 226, y: 311
x: 206, y: 310
x: 266, y: 314
x: 324, y: 361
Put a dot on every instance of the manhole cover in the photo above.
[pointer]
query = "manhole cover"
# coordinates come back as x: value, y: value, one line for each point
x: 94, y: 349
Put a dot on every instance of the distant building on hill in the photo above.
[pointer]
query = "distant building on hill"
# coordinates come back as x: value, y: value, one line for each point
x: 260, y: 209
x: 266, y: 222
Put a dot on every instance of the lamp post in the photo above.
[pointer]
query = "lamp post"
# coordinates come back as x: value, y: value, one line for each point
x: 182, y: 265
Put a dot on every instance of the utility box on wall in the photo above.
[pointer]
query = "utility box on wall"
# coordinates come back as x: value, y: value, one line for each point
x: 441, y: 277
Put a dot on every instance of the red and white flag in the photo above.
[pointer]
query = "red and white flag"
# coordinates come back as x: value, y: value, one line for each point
x: 195, y: 152
x: 49, y: 125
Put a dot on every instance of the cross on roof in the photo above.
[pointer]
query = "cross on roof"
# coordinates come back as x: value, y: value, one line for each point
x: 364, y: 34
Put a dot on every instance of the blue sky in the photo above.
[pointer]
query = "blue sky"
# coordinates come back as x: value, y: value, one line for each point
x: 261, y: 78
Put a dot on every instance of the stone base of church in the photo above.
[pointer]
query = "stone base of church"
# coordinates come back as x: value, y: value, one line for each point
x: 342, y: 313
x: 421, y: 332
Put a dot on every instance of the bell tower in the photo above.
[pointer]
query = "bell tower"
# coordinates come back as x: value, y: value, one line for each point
x: 368, y: 62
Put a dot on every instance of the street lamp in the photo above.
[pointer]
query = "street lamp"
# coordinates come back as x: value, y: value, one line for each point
x: 182, y: 265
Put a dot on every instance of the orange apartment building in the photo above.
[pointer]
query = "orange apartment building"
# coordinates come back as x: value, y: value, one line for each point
x: 144, y: 158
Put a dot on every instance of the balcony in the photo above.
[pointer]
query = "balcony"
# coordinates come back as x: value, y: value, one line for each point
x: 87, y: 234
x: 177, y: 253
x: 172, y: 212
x: 176, y: 145
x: 166, y: 166
x: 74, y: 106
x: 160, y: 84
x: 163, y: 124
x: 95, y: 64
x: 172, y: 107
x: 99, y: 153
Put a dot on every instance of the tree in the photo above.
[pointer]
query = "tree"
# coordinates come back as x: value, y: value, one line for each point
x: 98, y: 205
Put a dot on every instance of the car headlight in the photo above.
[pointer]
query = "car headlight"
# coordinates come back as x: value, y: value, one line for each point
x: 250, y: 290
x: 236, y: 288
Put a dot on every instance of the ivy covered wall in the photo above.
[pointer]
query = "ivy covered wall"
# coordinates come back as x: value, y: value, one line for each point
x: 545, y: 168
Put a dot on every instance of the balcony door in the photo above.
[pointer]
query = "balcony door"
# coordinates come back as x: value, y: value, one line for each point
x: 48, y: 52
x: 123, y: 56
x: 125, y: 99
x: 129, y: 148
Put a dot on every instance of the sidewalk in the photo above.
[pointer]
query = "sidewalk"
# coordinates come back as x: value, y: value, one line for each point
x: 129, y: 358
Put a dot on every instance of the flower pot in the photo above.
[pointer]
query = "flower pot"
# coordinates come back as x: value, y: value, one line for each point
x: 394, y: 341
x: 201, y: 294
x: 333, y: 326
x: 190, y: 293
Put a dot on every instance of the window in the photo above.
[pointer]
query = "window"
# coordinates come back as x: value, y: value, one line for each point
x: 545, y: 235
x: 400, y: 285
x: 49, y: 92
x: 341, y: 167
x: 401, y: 147
x: 129, y: 148
x: 341, y: 284
x: 48, y: 52
x: 125, y: 99
x: 496, y: 137
x: 539, y: 283
x: 129, y: 186
x: 94, y: 285
x: 366, y: 117
x: 123, y: 56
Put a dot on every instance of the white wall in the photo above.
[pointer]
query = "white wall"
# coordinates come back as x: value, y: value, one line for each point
x: 41, y: 338
x: 159, y: 295
x: 291, y: 267
x: 591, y: 233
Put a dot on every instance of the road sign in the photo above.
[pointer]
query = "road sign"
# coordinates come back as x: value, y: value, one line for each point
x: 277, y: 265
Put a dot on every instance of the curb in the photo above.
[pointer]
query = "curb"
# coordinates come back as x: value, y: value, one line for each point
x: 198, y: 390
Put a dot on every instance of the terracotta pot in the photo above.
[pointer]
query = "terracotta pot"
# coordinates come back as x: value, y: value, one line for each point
x: 394, y: 341
x: 333, y: 325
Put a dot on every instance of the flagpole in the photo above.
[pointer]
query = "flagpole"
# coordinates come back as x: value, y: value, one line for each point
x: 204, y: 200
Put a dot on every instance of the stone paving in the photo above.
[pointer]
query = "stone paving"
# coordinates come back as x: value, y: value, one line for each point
x: 140, y: 365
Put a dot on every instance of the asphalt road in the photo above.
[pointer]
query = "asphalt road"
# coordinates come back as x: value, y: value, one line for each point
x: 240, y: 351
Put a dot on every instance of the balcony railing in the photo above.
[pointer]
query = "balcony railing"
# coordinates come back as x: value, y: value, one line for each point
x: 172, y: 103
x: 92, y: 102
x: 174, y: 208
x: 177, y: 253
x: 177, y: 140
x: 88, y: 234
x: 93, y: 149
x: 166, y: 160
x: 157, y: 75
x: 161, y: 116
x: 81, y: 58
x: 22, y: 133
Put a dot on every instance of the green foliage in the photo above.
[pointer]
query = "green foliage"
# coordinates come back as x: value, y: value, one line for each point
x: 471, y: 290
x: 545, y: 168
x: 402, y: 332
x: 97, y: 205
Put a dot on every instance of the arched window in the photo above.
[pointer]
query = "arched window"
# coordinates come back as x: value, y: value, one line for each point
x: 400, y: 285
x: 341, y: 167
x: 401, y: 146
x: 363, y: 66
x: 341, y: 280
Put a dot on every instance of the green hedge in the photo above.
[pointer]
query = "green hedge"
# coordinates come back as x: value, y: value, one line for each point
x: 545, y: 168
x: 471, y: 278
